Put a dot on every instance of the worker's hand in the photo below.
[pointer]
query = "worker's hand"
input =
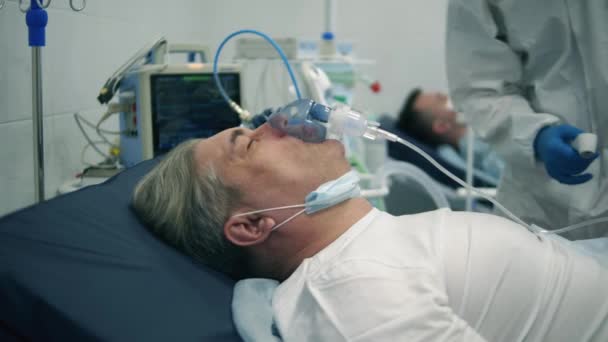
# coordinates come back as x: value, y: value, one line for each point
x: 562, y: 161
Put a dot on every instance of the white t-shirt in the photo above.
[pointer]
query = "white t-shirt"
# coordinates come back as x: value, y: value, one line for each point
x: 444, y: 276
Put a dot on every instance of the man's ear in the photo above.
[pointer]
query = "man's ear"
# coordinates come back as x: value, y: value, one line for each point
x: 248, y: 230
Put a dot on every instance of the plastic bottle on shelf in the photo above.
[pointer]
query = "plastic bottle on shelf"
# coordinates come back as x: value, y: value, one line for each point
x: 327, y: 47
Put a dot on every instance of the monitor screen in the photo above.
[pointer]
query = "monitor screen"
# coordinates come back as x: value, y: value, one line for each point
x: 186, y: 106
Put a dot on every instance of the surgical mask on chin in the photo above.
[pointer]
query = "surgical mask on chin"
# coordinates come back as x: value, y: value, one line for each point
x: 325, y: 196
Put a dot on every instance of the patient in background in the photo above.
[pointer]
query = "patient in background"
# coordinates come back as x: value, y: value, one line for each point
x: 351, y: 272
x: 427, y: 117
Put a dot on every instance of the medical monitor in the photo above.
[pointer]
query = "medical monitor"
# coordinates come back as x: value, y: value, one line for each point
x: 189, y: 105
x: 174, y: 103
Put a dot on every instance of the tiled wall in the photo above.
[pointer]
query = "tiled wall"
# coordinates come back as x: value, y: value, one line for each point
x: 83, y: 49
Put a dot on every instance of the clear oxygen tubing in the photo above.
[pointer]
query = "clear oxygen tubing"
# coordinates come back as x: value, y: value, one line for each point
x: 574, y: 226
x: 351, y: 123
x: 380, y: 133
x: 470, y: 163
x: 232, y: 104
x: 342, y: 120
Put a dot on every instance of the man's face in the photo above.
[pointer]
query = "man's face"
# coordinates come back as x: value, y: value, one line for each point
x: 270, y: 168
x: 436, y: 105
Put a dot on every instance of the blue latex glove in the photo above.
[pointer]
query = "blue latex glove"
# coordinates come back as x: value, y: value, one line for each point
x: 562, y: 161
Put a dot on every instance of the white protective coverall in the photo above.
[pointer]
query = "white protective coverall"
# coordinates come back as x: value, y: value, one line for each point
x: 515, y: 66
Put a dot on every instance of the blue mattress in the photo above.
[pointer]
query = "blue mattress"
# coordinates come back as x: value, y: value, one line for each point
x: 82, y: 267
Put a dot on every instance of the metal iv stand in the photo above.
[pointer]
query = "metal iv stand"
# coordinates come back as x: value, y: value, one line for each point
x: 36, y: 19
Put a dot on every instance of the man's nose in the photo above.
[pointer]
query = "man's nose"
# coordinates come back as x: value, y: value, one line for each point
x: 267, y: 131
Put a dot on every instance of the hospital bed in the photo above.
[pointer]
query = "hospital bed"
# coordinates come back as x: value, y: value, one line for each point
x: 455, y: 194
x: 82, y: 267
x: 400, y: 152
x: 411, y: 190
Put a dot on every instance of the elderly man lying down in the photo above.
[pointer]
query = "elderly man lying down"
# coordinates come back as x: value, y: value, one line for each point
x: 260, y: 204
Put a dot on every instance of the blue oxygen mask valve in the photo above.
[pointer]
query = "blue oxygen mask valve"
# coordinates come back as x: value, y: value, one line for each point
x: 313, y: 122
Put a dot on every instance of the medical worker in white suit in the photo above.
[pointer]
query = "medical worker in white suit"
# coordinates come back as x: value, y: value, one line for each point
x: 532, y: 76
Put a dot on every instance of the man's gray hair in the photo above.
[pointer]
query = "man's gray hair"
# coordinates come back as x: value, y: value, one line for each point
x: 187, y: 207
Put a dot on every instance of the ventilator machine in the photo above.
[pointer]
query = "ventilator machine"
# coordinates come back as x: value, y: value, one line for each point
x: 162, y: 104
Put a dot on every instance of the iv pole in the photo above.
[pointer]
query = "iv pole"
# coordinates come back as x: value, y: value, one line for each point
x: 36, y: 20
